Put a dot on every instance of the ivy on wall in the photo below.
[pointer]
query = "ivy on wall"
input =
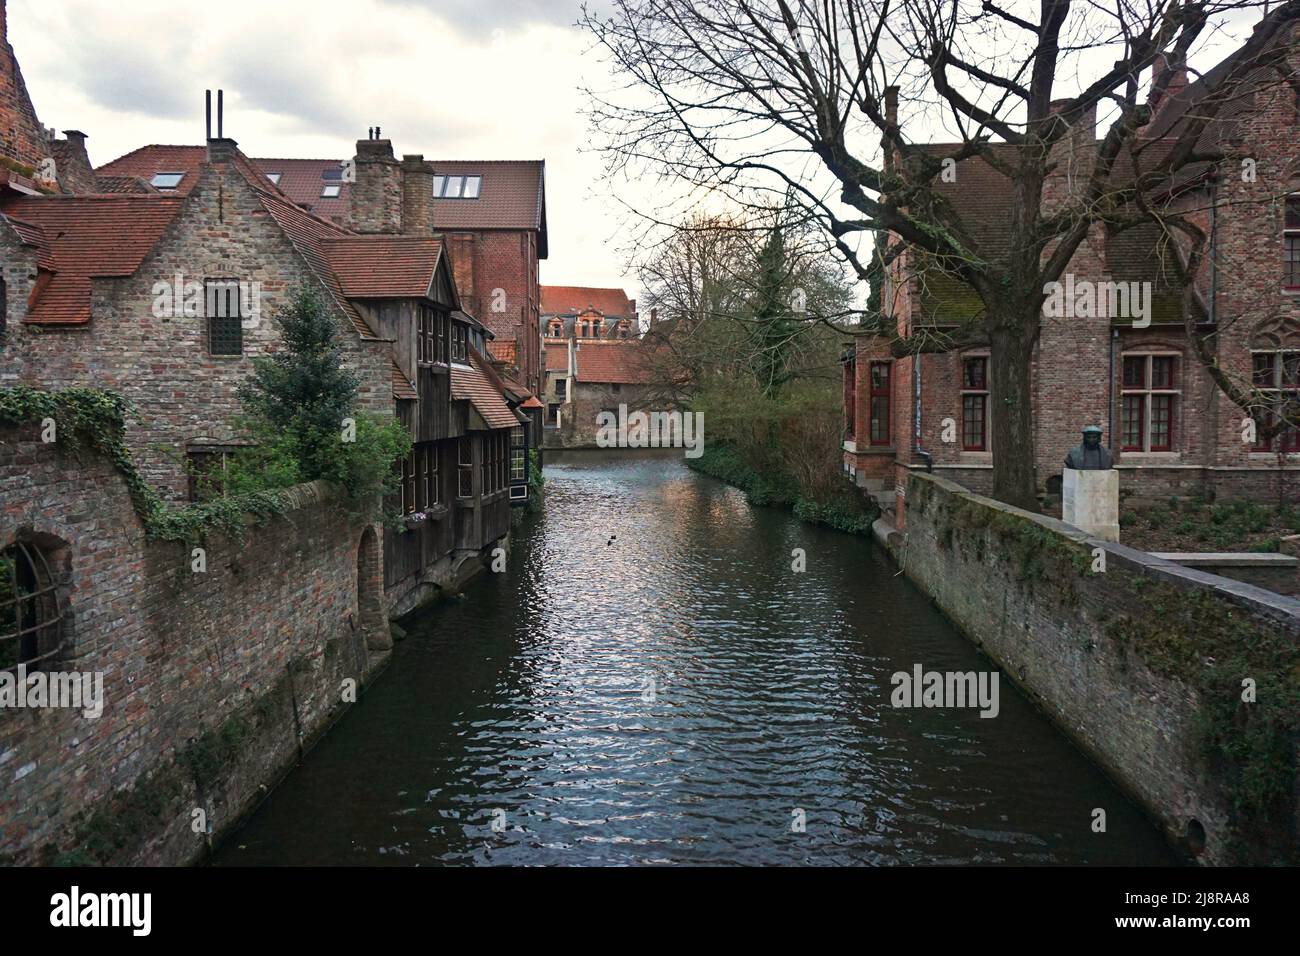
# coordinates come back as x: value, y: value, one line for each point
x: 95, y: 420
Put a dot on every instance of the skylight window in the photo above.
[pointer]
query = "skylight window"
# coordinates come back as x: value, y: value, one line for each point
x: 332, y: 173
x: 166, y: 180
x: 456, y: 187
x: 331, y: 191
x: 274, y: 177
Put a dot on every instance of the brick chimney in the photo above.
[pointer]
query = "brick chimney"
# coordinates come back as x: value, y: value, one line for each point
x: 221, y: 149
x: 417, y: 196
x: 1075, y: 152
x: 1177, y: 82
x: 72, y: 163
x: 891, y: 118
x: 377, y: 190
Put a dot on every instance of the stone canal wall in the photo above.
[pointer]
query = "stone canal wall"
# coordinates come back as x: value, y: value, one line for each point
x: 213, y: 680
x: 1143, y: 663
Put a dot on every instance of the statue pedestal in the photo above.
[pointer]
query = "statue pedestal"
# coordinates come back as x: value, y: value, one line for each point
x: 1090, y: 501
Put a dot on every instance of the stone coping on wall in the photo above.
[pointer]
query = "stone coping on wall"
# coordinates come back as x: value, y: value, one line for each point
x: 1229, y: 559
x: 1279, y: 608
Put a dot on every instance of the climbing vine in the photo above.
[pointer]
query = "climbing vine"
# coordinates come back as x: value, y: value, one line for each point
x: 95, y: 419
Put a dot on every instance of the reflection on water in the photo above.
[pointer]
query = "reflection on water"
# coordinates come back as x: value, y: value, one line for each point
x: 649, y: 682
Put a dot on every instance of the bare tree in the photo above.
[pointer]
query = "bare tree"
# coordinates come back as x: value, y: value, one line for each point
x: 817, y: 99
x: 743, y: 293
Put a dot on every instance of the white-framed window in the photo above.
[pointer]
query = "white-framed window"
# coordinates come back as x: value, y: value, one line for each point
x: 457, y: 187
x: 330, y: 191
x: 1276, y: 373
x: 1291, y: 244
x: 1149, y: 399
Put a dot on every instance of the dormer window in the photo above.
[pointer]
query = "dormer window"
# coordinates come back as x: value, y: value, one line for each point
x: 166, y: 180
x: 456, y: 187
x: 330, y: 191
x: 459, y: 343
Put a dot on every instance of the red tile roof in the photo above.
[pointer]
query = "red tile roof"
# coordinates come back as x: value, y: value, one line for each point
x: 557, y: 359
x: 148, y: 160
x: 472, y: 384
x: 80, y: 237
x: 384, y: 267
x: 511, y: 196
x: 605, y: 361
x: 571, y: 299
x: 402, y: 387
x: 124, y: 184
x: 303, y: 181
x: 617, y: 362
x: 504, y: 351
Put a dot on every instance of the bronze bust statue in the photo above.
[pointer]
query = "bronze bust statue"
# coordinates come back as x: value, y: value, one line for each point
x: 1092, y: 455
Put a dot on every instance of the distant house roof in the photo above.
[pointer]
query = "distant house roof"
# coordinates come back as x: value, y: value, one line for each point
x: 304, y: 181
x: 572, y: 299
x: 606, y: 362
x: 82, y: 237
x: 557, y: 359
x: 512, y: 193
x: 147, y: 161
x: 384, y: 267
x: 506, y: 350
x: 471, y: 383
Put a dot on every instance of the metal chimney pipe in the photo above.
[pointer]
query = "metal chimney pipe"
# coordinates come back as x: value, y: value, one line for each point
x: 220, y: 113
x: 208, y: 128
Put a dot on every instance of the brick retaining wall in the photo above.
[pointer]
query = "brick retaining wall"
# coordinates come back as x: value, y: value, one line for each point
x: 1022, y: 587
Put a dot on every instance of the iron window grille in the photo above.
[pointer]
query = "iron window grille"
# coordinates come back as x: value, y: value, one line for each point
x: 223, y: 308
x: 32, y: 629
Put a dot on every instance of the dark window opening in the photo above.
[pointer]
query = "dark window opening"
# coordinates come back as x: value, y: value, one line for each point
x: 31, y: 613
x: 465, y: 468
x: 974, y: 403
x: 1291, y: 244
x: 222, y: 306
x: 459, y: 343
x: 880, y: 397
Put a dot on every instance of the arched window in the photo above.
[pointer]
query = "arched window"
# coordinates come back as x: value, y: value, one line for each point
x: 1275, y: 375
x: 370, y: 590
x: 31, y: 613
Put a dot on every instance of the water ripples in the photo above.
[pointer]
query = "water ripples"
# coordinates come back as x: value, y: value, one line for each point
x: 650, y: 683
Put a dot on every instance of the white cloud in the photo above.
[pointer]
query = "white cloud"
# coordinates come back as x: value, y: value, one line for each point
x: 462, y: 80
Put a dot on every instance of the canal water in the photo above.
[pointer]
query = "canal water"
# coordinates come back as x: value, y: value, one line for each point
x: 649, y: 682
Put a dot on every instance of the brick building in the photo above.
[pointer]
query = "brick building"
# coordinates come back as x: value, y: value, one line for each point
x: 1170, y: 428
x: 96, y: 296
x: 492, y: 214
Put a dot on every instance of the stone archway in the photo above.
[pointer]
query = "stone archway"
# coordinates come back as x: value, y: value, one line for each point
x: 370, y: 593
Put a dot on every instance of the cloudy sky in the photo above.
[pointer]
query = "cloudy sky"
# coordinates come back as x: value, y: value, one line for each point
x: 452, y: 79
